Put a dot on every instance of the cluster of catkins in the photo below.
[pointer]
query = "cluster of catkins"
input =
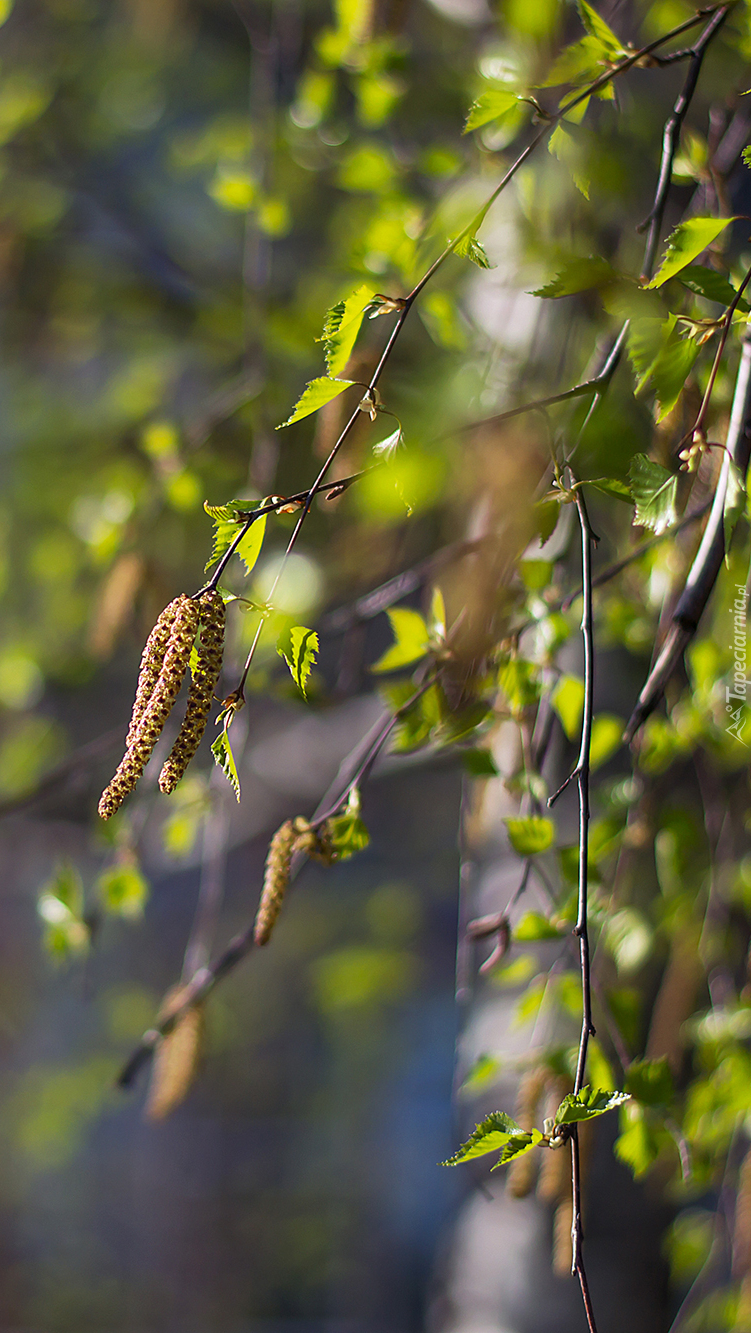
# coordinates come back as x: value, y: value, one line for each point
x: 163, y: 665
x: 295, y: 835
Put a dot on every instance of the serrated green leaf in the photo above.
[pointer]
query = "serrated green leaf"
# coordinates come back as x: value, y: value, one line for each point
x: 298, y: 646
x: 735, y: 503
x: 581, y: 62
x: 711, y: 285
x: 533, y: 926
x: 588, y: 1104
x: 672, y: 367
x: 347, y: 832
x: 468, y: 247
x: 412, y: 640
x: 341, y: 326
x: 685, y: 243
x: 492, y: 1134
x: 492, y: 105
x: 598, y: 28
x: 654, y: 490
x: 314, y: 396
x: 220, y: 513
x: 224, y: 758
x: 518, y: 1144
x: 249, y: 548
x: 651, y: 1082
x: 568, y: 701
x: 578, y: 275
x: 617, y: 490
x: 530, y: 835
x: 565, y: 144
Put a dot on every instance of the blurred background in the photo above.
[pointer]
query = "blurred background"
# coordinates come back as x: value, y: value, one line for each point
x: 186, y: 186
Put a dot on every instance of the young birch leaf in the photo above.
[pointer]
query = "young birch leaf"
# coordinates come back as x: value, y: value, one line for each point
x: 518, y: 1144
x: 735, y: 503
x: 492, y: 1134
x: 315, y: 395
x: 385, y: 449
x: 224, y: 758
x: 578, y: 275
x: 565, y: 145
x: 598, y: 28
x: 298, y: 646
x: 412, y: 640
x: 568, y: 702
x: 341, y: 327
x: 468, y: 247
x: 672, y: 367
x: 711, y: 285
x: 607, y: 737
x: 651, y: 1082
x: 685, y: 243
x: 346, y: 831
x: 654, y: 490
x: 530, y: 835
x: 490, y: 106
x: 533, y: 926
x: 588, y: 1104
x: 250, y: 546
x: 617, y: 490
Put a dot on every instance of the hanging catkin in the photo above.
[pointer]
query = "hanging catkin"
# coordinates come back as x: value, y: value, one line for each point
x: 201, y: 693
x: 157, y: 710
x: 295, y: 835
x: 175, y: 1058
x: 152, y: 661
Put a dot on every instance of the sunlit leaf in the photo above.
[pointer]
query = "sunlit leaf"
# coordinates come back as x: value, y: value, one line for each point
x: 224, y: 759
x: 386, y: 449
x: 299, y: 646
x: 710, y: 284
x: 598, y: 28
x: 123, y: 889
x: 492, y: 1134
x: 468, y: 247
x: 654, y: 490
x: 496, y: 102
x: 568, y: 701
x: 607, y: 737
x: 618, y: 490
x: 578, y: 275
x: 412, y: 640
x: 346, y: 830
x: 530, y: 835
x: 314, y: 396
x: 341, y: 327
x: 532, y: 927
x: 685, y: 243
x: 588, y: 1104
x: 566, y: 144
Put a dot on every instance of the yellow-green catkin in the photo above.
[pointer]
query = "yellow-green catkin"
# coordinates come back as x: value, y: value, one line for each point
x: 520, y: 1177
x: 157, y: 710
x: 176, y: 1057
x: 203, y: 683
x: 295, y: 835
x: 152, y: 661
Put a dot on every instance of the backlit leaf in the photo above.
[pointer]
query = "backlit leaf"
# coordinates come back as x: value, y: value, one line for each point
x: 314, y: 396
x: 710, y: 284
x: 588, y: 1104
x: 341, y: 327
x: 568, y: 701
x: 598, y: 28
x: 491, y: 1135
x: 533, y: 926
x: 607, y: 737
x: 578, y: 275
x: 685, y: 243
x: 224, y: 758
x: 299, y: 646
x: 651, y: 1082
x: 530, y: 835
x: 493, y: 104
x: 468, y: 247
x: 412, y: 640
x: 654, y: 490
x: 346, y: 831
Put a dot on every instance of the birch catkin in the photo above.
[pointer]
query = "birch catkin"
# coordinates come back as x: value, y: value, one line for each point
x: 295, y: 835
x: 157, y: 710
x: 176, y: 1057
x: 201, y: 693
x: 152, y: 661
x: 520, y: 1177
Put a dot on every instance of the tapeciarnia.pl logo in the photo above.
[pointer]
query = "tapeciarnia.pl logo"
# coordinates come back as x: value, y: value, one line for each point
x: 736, y: 695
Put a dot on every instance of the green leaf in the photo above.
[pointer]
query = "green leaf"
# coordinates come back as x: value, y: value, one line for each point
x: 607, y: 737
x: 123, y: 890
x: 483, y: 1073
x: 685, y: 243
x: 530, y: 835
x: 224, y: 758
x: 314, y: 396
x: 651, y: 1082
x: 341, y: 326
x: 735, y: 503
x: 346, y: 830
x: 61, y: 906
x: 386, y: 449
x: 578, y: 275
x: 639, y: 1142
x: 468, y: 247
x: 588, y: 1104
x: 533, y: 926
x: 249, y: 548
x: 519, y: 681
x: 654, y: 490
x: 568, y: 701
x: 566, y: 144
x: 598, y: 28
x: 491, y: 1135
x: 479, y: 763
x: 662, y: 355
x: 518, y: 1144
x: 491, y: 105
x: 437, y: 615
x: 412, y: 640
x: 618, y: 490
x: 298, y: 646
x: 581, y: 62
x: 711, y: 285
